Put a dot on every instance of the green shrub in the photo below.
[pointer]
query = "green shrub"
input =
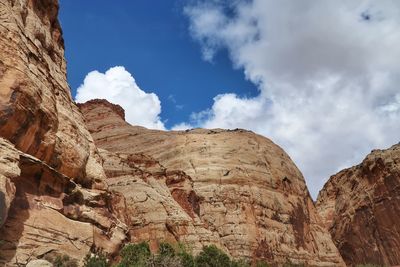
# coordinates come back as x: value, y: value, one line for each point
x: 240, y: 263
x: 135, y: 255
x: 369, y: 265
x: 165, y: 258
x: 96, y: 260
x: 164, y: 261
x: 166, y: 250
x: 187, y: 259
x: 64, y: 261
x: 139, y: 255
x: 261, y: 264
x: 211, y: 256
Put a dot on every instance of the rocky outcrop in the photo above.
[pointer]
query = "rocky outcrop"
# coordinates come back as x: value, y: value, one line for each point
x: 112, y: 109
x: 8, y: 171
x: 236, y: 188
x: 361, y: 208
x: 37, y: 113
x: 160, y: 204
x: 39, y: 263
x: 49, y: 213
x: 53, y: 198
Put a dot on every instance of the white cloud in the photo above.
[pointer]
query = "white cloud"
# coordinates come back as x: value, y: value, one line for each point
x: 328, y: 74
x: 181, y: 126
x: 119, y: 87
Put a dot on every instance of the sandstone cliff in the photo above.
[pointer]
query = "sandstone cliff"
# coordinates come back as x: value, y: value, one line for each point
x: 236, y: 189
x: 50, y: 214
x: 53, y: 198
x: 36, y: 110
x: 361, y: 208
x: 9, y: 170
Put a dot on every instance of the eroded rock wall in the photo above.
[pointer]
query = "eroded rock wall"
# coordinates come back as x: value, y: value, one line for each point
x: 53, y: 198
x: 361, y: 208
x: 247, y: 191
x: 161, y: 204
x: 50, y: 214
x: 9, y: 170
x: 37, y: 113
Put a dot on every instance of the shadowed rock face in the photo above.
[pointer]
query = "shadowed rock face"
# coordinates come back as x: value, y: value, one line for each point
x: 36, y: 110
x: 49, y: 213
x: 242, y: 191
x: 361, y: 208
x: 53, y: 198
x: 8, y: 171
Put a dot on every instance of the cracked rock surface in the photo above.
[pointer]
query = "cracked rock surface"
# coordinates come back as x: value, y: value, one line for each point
x: 37, y: 113
x: 49, y: 213
x: 239, y: 189
x: 53, y: 198
x: 361, y: 208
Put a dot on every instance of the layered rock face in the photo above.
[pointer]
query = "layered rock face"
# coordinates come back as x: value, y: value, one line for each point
x: 9, y: 170
x: 36, y: 110
x: 53, y: 199
x: 238, y: 189
x: 45, y: 212
x: 361, y: 208
x: 161, y: 205
x: 234, y: 189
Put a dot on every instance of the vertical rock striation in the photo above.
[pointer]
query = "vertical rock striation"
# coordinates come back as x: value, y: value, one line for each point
x: 160, y: 204
x: 235, y: 189
x: 53, y: 197
x: 241, y: 188
x: 46, y: 212
x: 36, y: 110
x: 9, y: 170
x: 361, y: 208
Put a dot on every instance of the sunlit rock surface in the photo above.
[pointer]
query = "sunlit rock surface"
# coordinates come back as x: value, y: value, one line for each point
x: 246, y: 190
x: 36, y: 110
x: 53, y: 198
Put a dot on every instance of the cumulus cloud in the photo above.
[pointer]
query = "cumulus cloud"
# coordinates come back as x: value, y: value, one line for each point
x: 181, y: 126
x: 328, y: 74
x: 119, y: 87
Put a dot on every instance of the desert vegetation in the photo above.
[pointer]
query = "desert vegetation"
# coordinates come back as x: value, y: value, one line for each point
x: 168, y: 255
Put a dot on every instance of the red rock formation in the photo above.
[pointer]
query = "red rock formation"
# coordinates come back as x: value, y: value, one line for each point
x: 49, y: 213
x: 8, y: 171
x: 36, y: 110
x: 53, y: 198
x: 159, y: 201
x: 232, y: 188
x: 361, y: 208
x: 116, y: 109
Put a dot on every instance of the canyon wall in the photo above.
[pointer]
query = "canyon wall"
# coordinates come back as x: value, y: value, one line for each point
x: 238, y: 189
x: 73, y: 179
x: 37, y: 113
x: 53, y: 198
x: 361, y: 208
x: 46, y: 213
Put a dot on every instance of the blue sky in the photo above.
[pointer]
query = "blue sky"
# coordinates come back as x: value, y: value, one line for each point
x: 320, y: 81
x: 152, y: 41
